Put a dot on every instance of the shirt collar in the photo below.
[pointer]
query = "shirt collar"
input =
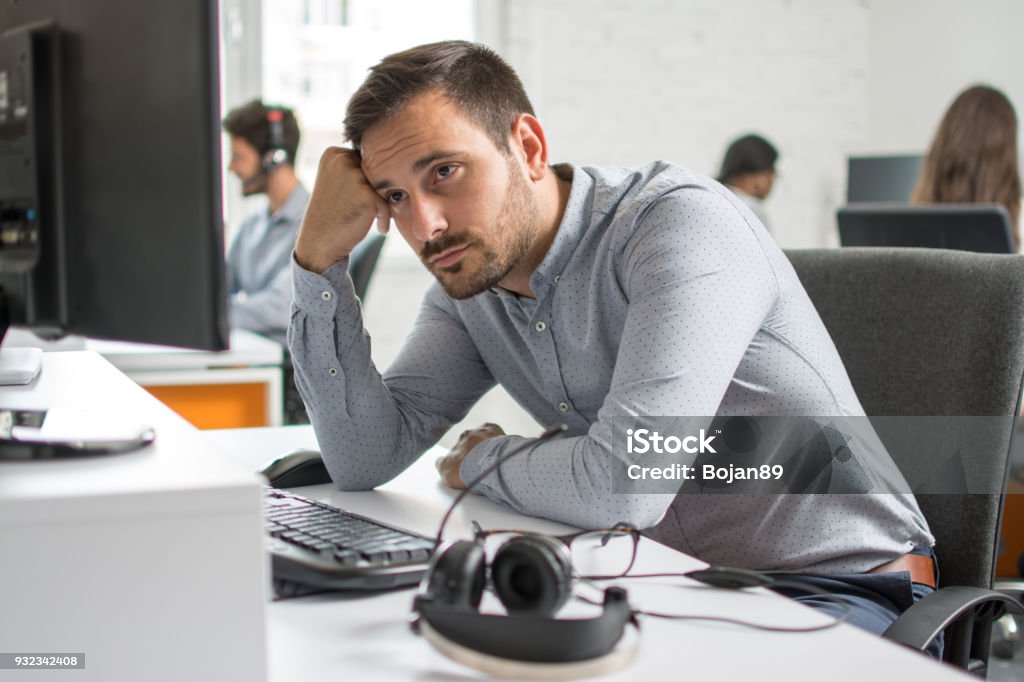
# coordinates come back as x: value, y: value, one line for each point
x: 293, y: 207
x: 575, y: 220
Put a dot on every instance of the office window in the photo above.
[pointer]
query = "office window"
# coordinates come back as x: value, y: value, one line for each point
x: 311, y: 55
x: 332, y: 12
x: 332, y: 43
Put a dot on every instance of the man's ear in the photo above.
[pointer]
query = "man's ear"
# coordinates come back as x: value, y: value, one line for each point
x: 530, y: 145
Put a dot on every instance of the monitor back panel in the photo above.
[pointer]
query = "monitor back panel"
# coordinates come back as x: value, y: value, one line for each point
x: 983, y: 228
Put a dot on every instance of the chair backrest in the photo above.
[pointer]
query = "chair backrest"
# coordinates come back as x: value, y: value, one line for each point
x: 363, y: 261
x: 927, y: 332
x: 968, y: 227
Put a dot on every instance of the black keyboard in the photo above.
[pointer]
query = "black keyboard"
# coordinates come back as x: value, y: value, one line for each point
x: 315, y: 547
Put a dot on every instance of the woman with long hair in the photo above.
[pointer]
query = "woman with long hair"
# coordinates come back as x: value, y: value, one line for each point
x: 973, y: 158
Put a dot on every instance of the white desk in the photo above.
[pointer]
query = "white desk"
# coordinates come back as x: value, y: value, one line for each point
x: 241, y: 386
x: 366, y: 637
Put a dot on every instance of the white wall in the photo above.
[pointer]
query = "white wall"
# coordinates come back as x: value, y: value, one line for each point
x: 623, y: 82
x: 921, y: 53
x: 626, y: 81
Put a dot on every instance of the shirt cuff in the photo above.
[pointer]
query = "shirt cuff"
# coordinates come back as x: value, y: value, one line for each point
x: 321, y: 295
x: 484, y: 455
x: 473, y: 463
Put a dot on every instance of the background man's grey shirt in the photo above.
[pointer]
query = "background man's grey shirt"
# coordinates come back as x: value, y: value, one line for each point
x: 259, y: 278
x: 661, y: 295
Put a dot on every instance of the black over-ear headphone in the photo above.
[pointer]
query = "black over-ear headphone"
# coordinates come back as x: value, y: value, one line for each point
x: 532, y: 577
x: 276, y: 155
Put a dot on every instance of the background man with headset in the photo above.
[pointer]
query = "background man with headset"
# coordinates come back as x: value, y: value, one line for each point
x: 590, y: 294
x: 264, y: 141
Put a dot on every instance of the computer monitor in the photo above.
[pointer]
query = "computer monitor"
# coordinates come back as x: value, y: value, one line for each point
x: 882, y: 178
x: 110, y: 213
x: 967, y: 227
x: 110, y: 194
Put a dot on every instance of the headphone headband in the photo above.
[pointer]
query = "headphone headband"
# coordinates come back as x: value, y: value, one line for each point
x: 275, y: 155
x: 530, y: 637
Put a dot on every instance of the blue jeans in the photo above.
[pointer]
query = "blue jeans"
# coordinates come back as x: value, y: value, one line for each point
x: 876, y: 600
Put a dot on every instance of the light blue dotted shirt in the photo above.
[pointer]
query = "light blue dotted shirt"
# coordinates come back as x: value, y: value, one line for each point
x: 259, y: 279
x: 662, y: 294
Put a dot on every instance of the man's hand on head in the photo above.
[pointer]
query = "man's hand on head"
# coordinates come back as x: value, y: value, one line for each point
x: 448, y: 466
x: 341, y: 211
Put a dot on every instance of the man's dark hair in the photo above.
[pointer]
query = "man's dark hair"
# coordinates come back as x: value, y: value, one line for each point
x: 471, y: 75
x: 249, y: 122
x: 748, y: 154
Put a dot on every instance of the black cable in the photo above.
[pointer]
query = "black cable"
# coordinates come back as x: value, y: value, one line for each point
x: 553, y: 431
x: 767, y: 582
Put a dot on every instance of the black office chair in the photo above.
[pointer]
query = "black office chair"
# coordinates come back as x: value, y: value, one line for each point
x: 361, y: 264
x: 985, y: 228
x: 936, y: 333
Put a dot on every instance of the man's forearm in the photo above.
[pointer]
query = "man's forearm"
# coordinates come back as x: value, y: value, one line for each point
x: 371, y: 427
x: 570, y: 480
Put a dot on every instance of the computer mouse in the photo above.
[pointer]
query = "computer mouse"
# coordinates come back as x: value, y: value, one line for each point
x: 295, y: 469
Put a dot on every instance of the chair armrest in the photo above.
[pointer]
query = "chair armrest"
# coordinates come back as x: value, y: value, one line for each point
x: 922, y: 622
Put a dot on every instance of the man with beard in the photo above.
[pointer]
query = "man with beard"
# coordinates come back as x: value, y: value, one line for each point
x: 590, y: 294
x: 264, y: 141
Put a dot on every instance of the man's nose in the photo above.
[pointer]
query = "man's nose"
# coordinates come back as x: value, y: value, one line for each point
x: 427, y: 218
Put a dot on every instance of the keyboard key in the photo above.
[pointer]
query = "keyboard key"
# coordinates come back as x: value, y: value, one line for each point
x: 346, y: 556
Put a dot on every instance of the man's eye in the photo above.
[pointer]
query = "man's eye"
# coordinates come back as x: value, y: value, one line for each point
x: 445, y: 171
x: 395, y: 197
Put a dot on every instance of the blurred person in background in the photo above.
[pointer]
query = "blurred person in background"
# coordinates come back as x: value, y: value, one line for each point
x: 748, y: 169
x: 973, y: 157
x: 264, y: 141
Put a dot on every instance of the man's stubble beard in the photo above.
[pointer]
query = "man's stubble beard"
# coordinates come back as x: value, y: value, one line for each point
x: 517, y: 227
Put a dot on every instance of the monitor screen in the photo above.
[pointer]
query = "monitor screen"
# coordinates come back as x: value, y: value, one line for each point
x: 110, y: 208
x: 882, y: 178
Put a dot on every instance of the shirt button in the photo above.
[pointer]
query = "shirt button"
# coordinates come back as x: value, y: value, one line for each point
x: 541, y: 326
x: 333, y: 372
x: 563, y: 407
x: 558, y: 278
x: 326, y: 295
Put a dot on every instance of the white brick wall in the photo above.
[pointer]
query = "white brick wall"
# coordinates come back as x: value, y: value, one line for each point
x: 622, y: 82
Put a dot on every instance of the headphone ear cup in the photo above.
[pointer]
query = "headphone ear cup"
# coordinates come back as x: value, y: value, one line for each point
x: 274, y: 159
x: 457, y: 575
x: 532, y: 574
